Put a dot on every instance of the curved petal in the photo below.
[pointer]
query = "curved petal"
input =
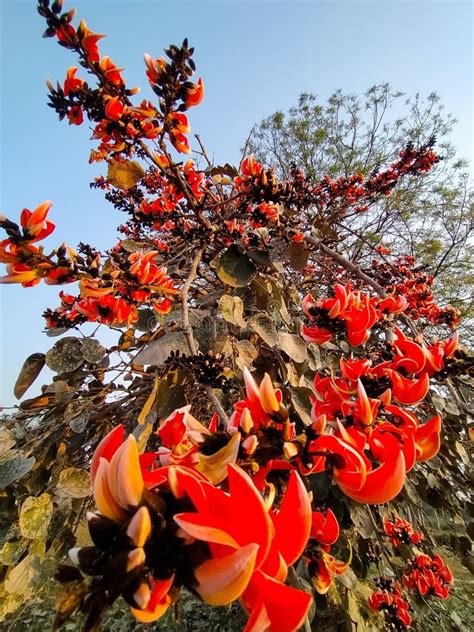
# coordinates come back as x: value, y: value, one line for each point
x: 382, y: 484
x: 246, y: 500
x: 259, y: 620
x: 408, y: 391
x: 324, y: 528
x: 107, y: 448
x: 199, y: 528
x: 293, y: 521
x: 286, y: 607
x: 104, y: 500
x: 222, y: 580
x: 427, y: 439
x: 125, y: 476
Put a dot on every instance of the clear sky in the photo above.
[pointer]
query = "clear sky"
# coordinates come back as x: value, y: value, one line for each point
x: 256, y: 57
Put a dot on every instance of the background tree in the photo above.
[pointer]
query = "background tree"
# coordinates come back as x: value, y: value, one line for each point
x: 431, y: 219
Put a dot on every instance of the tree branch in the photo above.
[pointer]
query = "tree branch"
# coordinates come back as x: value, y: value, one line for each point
x: 188, y: 330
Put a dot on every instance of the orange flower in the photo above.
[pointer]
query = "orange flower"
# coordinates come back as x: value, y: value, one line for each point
x: 324, y: 527
x: 194, y: 94
x: 34, y: 223
x: 72, y: 83
x: 154, y: 68
x: 407, y: 391
x: 179, y: 122
x: 21, y: 273
x: 114, y: 109
x: 427, y: 439
x: 250, y: 167
x: 108, y: 310
x: 324, y: 568
x: 249, y: 558
x: 89, y: 41
x: 263, y: 403
x: 111, y: 72
x: 180, y: 143
x: 66, y: 33
x: 75, y: 115
x: 118, y: 483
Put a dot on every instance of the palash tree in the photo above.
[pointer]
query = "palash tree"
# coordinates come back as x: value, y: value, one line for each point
x: 263, y: 423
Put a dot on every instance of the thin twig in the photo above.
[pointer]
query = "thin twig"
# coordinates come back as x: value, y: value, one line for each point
x: 188, y: 330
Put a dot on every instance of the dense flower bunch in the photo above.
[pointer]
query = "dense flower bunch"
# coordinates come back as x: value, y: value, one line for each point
x: 158, y: 528
x: 364, y: 402
x: 400, y: 531
x: 356, y: 193
x: 403, y: 277
x: 430, y: 576
x: 110, y: 291
x: 390, y: 600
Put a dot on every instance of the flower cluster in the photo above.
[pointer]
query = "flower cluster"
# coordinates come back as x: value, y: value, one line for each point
x: 225, y: 508
x: 400, y: 531
x: 335, y: 198
x: 403, y: 277
x: 158, y: 528
x: 26, y: 262
x: 364, y: 402
x: 390, y: 600
x: 429, y: 575
x: 356, y: 309
x: 110, y: 291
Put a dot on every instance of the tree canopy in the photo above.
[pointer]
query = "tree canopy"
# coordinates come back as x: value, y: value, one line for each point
x: 430, y: 219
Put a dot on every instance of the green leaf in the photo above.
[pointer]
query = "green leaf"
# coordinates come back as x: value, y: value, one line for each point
x: 92, y: 350
x: 15, y: 468
x: 132, y: 246
x: 29, y: 372
x: 362, y: 521
x: 235, y: 268
x: 300, y: 399
x: 12, y: 551
x: 157, y: 352
x: 74, y: 482
x: 223, y: 170
x: 124, y: 175
x: 264, y: 326
x: 232, y: 309
x: 147, y: 319
x: 246, y: 353
x: 21, y: 580
x: 293, y: 345
x: 35, y: 516
x: 298, y: 254
x: 66, y: 355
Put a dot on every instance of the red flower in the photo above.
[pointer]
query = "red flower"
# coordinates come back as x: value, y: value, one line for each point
x: 114, y: 109
x: 75, y: 115
x: 400, y: 531
x: 89, y: 41
x: 430, y: 576
x: 324, y: 527
x: 72, y: 83
x: 194, y: 94
x: 34, y: 223
x: 249, y: 558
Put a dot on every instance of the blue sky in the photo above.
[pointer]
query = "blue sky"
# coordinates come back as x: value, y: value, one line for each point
x: 255, y: 58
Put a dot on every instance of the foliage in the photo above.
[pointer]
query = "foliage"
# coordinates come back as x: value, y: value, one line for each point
x: 272, y: 414
x: 430, y: 219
